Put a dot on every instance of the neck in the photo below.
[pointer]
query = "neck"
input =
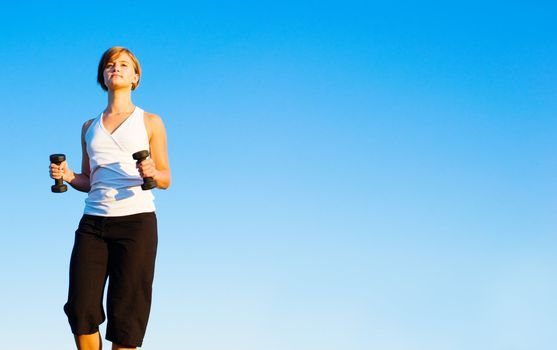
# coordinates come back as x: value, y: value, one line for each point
x: 119, y: 101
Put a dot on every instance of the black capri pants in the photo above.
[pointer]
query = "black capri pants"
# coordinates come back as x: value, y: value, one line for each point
x: 123, y: 250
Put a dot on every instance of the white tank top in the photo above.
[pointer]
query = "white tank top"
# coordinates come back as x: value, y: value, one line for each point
x: 115, y: 181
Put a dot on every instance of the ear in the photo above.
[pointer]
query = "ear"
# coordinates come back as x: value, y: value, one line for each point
x: 135, y: 81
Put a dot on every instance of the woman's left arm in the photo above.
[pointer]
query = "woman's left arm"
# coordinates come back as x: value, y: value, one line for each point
x: 157, y: 165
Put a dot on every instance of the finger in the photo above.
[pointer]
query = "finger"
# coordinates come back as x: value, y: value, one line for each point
x: 145, y: 167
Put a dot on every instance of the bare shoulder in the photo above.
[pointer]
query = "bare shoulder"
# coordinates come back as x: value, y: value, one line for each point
x: 86, y: 126
x: 153, y: 122
x: 152, y: 118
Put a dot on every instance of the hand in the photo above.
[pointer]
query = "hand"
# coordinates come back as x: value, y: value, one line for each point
x: 61, y: 171
x: 147, y: 168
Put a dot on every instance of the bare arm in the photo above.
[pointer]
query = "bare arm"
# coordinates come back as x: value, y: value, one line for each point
x: 157, y: 166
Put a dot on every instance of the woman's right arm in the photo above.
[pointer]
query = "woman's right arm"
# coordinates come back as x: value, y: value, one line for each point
x: 80, y: 182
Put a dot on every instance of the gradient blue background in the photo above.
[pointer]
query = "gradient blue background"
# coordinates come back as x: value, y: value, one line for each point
x: 346, y: 175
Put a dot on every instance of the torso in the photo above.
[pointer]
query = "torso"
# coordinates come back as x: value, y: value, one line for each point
x: 115, y: 181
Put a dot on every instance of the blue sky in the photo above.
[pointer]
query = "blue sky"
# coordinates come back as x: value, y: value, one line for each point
x: 346, y: 175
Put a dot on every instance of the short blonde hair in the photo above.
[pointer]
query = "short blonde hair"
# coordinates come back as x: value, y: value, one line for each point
x: 108, y: 56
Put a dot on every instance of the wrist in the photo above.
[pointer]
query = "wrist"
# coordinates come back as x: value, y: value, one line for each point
x: 69, y: 177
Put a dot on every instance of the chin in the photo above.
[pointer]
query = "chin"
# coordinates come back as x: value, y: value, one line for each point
x: 115, y: 87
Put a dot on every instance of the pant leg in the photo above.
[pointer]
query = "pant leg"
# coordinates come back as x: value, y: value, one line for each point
x: 88, y: 272
x: 132, y: 249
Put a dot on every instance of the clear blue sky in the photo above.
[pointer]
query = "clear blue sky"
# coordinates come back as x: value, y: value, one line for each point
x: 348, y: 175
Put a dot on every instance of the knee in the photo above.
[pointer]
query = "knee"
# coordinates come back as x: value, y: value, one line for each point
x: 83, y: 320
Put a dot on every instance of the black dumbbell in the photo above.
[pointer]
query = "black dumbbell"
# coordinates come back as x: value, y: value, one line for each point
x: 58, y: 186
x: 148, y: 182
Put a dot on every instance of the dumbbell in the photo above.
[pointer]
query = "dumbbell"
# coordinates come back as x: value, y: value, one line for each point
x: 148, y: 182
x: 58, y: 186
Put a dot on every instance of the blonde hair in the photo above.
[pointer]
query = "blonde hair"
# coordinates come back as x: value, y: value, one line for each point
x: 108, y: 56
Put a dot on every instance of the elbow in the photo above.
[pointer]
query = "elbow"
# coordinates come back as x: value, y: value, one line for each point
x: 164, y: 183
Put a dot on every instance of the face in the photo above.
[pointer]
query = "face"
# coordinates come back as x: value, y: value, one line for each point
x: 119, y: 73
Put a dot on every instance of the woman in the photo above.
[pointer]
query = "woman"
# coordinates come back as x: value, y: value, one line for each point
x: 117, y: 235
